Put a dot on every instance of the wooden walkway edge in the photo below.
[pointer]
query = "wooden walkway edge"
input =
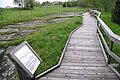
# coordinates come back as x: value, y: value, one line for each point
x: 83, y: 59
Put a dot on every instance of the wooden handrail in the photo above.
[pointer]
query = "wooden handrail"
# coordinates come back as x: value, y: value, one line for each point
x: 112, y: 36
x: 113, y: 39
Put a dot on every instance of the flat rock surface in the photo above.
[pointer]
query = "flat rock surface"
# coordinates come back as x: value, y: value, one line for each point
x: 83, y: 59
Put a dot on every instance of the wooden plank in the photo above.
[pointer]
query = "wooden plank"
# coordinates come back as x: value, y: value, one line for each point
x: 85, y: 37
x: 84, y: 49
x: 80, y: 76
x: 91, y: 32
x: 84, y: 72
x: 78, y: 44
x: 84, y: 68
x: 83, y: 57
x: 83, y: 53
x: 51, y: 78
x: 82, y: 33
x: 83, y: 64
x: 85, y: 40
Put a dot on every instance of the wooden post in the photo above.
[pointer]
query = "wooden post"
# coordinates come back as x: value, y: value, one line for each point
x: 97, y: 26
x: 98, y: 23
x: 111, y: 47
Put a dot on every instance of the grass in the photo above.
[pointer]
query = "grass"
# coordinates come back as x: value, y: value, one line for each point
x: 12, y: 16
x: 55, y: 41
x: 49, y: 41
x: 115, y: 28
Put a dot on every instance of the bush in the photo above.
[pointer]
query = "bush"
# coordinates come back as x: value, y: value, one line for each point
x: 116, y: 13
x: 64, y: 5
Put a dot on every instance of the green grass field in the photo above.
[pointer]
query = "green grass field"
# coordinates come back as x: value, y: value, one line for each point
x: 115, y: 28
x: 50, y: 39
x: 49, y: 42
x: 12, y: 16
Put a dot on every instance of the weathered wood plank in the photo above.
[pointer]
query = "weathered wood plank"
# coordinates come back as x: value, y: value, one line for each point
x: 83, y: 53
x: 84, y: 68
x: 83, y: 64
x: 51, y: 78
x: 78, y: 44
x: 85, y: 40
x: 83, y: 72
x: 83, y: 49
x: 83, y: 57
x: 81, y: 76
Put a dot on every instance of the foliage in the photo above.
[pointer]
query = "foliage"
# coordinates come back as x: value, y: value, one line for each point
x: 47, y: 3
x: 116, y: 13
x: 27, y: 4
x: 64, y: 4
x: 105, y: 5
x: 37, y: 4
x: 81, y: 3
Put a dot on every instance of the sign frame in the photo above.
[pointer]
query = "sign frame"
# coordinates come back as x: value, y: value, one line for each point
x: 12, y: 54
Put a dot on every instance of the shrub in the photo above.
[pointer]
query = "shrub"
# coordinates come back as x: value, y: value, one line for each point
x: 64, y: 5
x: 116, y: 13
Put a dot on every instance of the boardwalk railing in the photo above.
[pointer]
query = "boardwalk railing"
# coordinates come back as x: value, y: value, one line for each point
x: 111, y: 58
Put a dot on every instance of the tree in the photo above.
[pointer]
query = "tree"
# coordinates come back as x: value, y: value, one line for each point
x: 116, y: 13
x: 65, y: 4
x: 27, y: 4
x: 37, y: 3
x: 83, y: 3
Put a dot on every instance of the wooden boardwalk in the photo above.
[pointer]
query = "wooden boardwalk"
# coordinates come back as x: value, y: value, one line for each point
x: 83, y: 58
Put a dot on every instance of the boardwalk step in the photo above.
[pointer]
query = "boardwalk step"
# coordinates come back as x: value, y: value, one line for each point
x: 53, y: 78
x: 83, y: 64
x: 81, y: 76
x: 83, y: 53
x: 90, y: 49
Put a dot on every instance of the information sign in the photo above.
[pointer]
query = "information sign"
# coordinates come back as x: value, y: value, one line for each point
x: 26, y: 58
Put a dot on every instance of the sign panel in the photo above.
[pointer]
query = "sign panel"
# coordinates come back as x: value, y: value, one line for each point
x: 26, y: 58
